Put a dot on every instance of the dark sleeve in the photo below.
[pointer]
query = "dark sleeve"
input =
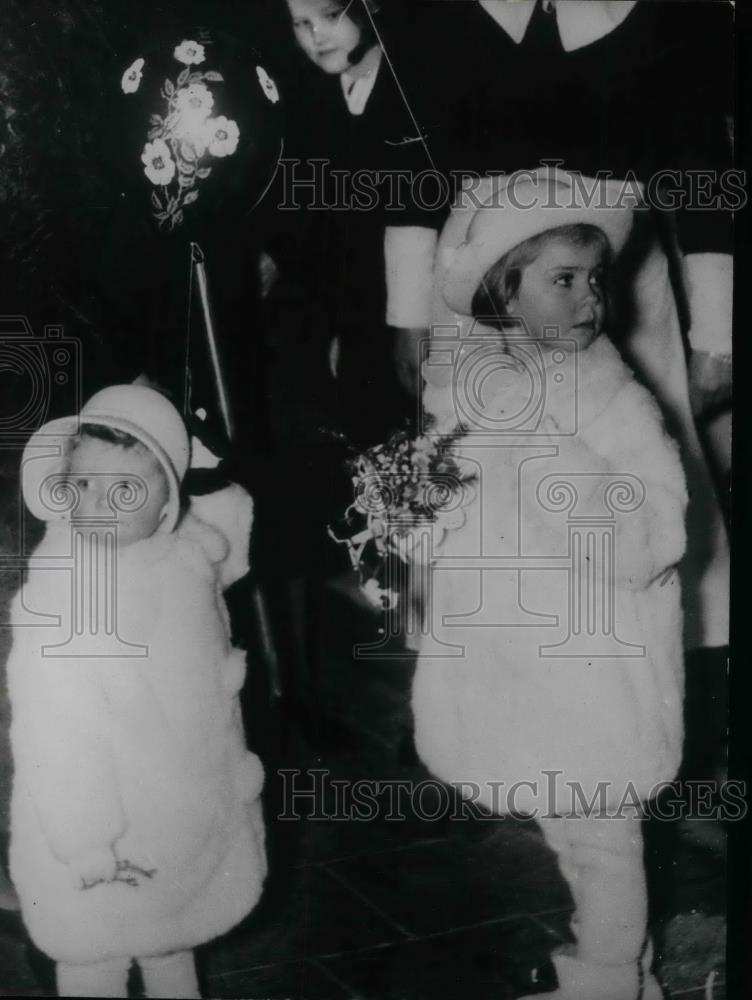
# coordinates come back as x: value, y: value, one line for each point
x: 420, y: 115
x: 694, y: 91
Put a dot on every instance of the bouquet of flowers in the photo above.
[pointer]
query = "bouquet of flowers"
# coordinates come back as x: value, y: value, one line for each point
x: 401, y: 487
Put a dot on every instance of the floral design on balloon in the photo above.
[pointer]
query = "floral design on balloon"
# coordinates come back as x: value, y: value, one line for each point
x: 268, y: 85
x: 185, y: 135
x: 190, y: 53
x: 131, y: 79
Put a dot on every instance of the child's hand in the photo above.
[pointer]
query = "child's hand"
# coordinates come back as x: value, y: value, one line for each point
x: 93, y: 867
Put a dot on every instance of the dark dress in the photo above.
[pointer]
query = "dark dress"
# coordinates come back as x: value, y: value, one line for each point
x: 330, y: 250
x: 650, y: 96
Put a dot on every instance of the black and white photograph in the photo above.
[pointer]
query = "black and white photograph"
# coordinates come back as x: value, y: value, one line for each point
x: 366, y: 500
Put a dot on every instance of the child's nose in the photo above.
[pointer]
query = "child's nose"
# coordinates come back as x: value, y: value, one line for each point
x: 100, y: 505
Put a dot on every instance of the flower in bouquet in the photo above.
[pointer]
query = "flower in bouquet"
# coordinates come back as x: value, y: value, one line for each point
x: 380, y: 597
x: 402, y: 488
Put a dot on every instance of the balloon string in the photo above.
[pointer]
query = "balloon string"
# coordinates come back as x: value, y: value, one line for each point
x: 272, y: 178
x: 187, y: 364
x: 403, y: 95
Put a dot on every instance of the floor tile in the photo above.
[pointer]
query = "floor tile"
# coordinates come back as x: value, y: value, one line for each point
x: 493, y: 962
x: 299, y: 981
x: 24, y: 971
x: 715, y: 990
x: 308, y: 915
x: 691, y: 951
x: 459, y: 882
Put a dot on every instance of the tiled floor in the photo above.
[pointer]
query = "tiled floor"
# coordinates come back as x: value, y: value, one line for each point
x: 410, y: 909
x: 418, y: 908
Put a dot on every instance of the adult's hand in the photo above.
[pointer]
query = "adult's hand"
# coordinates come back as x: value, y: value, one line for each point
x: 406, y: 355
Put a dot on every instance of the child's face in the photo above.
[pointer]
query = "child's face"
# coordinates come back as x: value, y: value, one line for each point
x: 563, y: 288
x: 107, y: 478
x: 325, y: 33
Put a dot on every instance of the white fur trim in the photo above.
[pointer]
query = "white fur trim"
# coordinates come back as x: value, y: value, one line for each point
x: 143, y: 754
x: 504, y: 712
x: 230, y: 511
x: 653, y: 346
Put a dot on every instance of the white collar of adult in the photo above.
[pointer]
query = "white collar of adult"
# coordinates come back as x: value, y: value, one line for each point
x: 580, y: 22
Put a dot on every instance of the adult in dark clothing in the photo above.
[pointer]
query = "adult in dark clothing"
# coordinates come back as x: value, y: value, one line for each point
x: 634, y: 89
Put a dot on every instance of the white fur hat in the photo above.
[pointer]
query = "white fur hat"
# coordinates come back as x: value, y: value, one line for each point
x: 525, y: 204
x: 143, y: 413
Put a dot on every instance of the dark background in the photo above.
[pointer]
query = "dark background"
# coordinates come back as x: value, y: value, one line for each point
x: 60, y: 68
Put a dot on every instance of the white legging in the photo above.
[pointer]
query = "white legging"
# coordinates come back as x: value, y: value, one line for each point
x: 602, y: 860
x: 164, y: 976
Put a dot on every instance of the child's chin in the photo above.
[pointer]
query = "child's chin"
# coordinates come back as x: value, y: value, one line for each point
x: 126, y: 537
x: 334, y: 64
x: 582, y: 339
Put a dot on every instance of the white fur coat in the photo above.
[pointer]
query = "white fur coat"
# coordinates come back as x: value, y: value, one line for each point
x: 144, y: 755
x: 507, y: 710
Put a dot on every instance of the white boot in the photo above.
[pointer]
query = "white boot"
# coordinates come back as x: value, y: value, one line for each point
x: 580, y: 980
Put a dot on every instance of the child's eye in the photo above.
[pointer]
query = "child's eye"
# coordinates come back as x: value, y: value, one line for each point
x: 82, y: 484
x: 564, y: 281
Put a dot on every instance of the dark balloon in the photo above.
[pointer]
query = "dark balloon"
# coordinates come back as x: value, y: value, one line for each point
x: 197, y: 130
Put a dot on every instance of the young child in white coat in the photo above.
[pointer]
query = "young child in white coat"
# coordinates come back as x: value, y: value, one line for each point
x: 136, y: 823
x: 559, y: 692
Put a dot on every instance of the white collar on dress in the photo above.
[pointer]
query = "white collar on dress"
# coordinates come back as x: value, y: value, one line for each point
x: 580, y: 22
x: 357, y: 89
